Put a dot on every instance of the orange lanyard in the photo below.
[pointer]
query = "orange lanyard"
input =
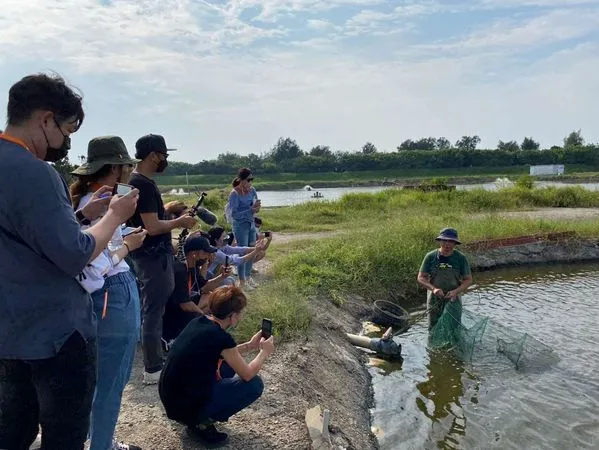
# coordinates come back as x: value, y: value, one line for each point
x: 14, y: 140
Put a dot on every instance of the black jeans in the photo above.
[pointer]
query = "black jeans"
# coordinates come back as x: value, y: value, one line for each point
x: 156, y: 274
x: 56, y: 393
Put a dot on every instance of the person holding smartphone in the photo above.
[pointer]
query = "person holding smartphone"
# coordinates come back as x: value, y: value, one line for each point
x: 116, y: 304
x: 243, y: 204
x: 189, y: 388
x: 47, y: 325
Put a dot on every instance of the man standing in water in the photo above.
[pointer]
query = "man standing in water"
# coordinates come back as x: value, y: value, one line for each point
x: 445, y: 272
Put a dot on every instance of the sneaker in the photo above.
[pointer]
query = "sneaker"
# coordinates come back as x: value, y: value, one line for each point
x: 252, y: 282
x: 209, y: 434
x: 151, y: 378
x: 255, y: 271
x: 122, y: 446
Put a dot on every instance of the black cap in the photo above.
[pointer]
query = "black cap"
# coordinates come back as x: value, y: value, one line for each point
x: 150, y: 143
x: 197, y: 242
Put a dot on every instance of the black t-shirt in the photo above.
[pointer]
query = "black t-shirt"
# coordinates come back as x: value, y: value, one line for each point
x: 150, y: 201
x: 189, y: 373
x: 187, y: 288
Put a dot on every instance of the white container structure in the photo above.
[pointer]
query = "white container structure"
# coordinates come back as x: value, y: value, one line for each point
x: 550, y: 169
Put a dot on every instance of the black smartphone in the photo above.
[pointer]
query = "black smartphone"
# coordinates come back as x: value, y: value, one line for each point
x: 121, y: 189
x: 267, y: 234
x: 226, y: 261
x: 266, y: 328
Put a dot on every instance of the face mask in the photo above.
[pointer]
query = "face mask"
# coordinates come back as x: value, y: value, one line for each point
x: 56, y: 154
x: 200, y: 262
x: 162, y: 165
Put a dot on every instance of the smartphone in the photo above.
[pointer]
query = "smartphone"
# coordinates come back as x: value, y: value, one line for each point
x: 266, y: 328
x: 128, y: 230
x: 121, y: 189
x: 226, y: 261
x: 267, y: 234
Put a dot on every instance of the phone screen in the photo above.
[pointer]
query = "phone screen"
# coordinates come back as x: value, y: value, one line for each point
x: 122, y: 189
x: 266, y: 328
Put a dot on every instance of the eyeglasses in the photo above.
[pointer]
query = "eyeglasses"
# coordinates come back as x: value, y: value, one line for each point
x: 250, y: 179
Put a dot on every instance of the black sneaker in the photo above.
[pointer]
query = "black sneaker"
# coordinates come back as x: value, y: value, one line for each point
x: 209, y: 434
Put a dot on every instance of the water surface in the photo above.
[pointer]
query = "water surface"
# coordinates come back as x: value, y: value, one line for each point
x: 438, y: 401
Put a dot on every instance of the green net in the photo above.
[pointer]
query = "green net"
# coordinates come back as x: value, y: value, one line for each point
x: 471, y: 336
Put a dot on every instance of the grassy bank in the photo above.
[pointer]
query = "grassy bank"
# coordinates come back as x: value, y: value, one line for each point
x: 382, y: 239
x: 282, y: 181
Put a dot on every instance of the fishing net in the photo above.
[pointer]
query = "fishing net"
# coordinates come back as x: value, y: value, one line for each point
x: 471, y: 336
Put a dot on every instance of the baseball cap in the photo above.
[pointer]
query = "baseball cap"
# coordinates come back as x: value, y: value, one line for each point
x: 151, y: 143
x: 197, y: 242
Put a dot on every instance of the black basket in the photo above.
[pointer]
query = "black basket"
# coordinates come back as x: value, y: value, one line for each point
x: 389, y: 314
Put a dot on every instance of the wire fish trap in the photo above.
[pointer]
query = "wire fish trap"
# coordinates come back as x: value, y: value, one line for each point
x: 389, y: 314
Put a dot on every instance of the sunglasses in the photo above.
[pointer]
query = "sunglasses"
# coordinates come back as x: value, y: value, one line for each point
x: 250, y: 179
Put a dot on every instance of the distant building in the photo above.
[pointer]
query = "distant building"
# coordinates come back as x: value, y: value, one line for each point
x: 550, y: 169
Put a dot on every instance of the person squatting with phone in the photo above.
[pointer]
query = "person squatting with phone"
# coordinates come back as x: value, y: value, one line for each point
x: 154, y: 261
x: 47, y: 324
x: 194, y: 390
x: 192, y: 286
x: 116, y: 301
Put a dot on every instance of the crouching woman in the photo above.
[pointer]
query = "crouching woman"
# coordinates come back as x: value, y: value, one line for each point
x: 194, y: 389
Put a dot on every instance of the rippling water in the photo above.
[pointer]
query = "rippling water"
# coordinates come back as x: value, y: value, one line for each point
x: 436, y: 401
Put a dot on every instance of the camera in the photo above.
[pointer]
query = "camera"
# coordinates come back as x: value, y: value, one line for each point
x: 267, y: 234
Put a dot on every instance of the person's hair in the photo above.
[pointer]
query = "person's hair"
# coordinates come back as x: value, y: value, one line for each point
x: 43, y: 92
x: 226, y: 300
x: 258, y: 221
x: 215, y: 233
x: 80, y: 187
x: 243, y: 174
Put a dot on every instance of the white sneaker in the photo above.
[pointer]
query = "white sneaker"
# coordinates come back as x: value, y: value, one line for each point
x: 122, y: 446
x: 151, y: 378
x: 252, y: 282
x: 246, y: 286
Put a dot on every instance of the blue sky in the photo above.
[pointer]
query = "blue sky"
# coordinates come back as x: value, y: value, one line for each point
x: 234, y: 75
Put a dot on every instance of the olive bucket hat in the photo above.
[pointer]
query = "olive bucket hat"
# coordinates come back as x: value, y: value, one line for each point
x: 102, y: 151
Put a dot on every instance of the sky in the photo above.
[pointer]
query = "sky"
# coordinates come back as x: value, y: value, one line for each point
x: 214, y: 76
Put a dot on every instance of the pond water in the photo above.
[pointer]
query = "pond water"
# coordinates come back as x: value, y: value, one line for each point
x: 433, y: 400
x: 297, y: 196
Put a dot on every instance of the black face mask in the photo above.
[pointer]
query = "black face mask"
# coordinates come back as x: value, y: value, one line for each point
x: 162, y: 165
x: 200, y: 263
x: 56, y: 154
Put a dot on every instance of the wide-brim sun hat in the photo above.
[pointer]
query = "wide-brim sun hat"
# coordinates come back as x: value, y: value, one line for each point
x: 102, y: 151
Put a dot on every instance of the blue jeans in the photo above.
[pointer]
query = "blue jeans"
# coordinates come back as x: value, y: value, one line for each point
x: 231, y: 394
x: 245, y: 235
x: 117, y: 338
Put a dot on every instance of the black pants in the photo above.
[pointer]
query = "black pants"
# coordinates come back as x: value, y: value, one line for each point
x: 157, y: 277
x: 56, y: 393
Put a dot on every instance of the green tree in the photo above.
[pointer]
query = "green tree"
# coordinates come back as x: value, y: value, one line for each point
x: 321, y: 150
x: 510, y: 146
x: 468, y: 143
x: 574, y: 139
x: 443, y: 143
x: 368, y: 148
x: 285, y: 149
x: 64, y: 168
x: 528, y: 143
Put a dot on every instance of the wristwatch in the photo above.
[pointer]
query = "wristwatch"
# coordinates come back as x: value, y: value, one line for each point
x: 81, y: 218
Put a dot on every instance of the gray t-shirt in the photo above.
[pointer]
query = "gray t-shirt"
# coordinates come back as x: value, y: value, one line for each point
x: 42, y: 249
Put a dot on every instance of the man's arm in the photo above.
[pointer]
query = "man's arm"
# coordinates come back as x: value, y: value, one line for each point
x: 155, y: 226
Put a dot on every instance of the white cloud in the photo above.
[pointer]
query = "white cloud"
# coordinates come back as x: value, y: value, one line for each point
x: 212, y: 79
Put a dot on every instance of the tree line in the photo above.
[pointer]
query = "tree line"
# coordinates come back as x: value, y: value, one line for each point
x: 425, y: 153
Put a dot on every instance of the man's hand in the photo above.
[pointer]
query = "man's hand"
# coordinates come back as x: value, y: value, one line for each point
x: 123, y: 206
x: 438, y: 293
x: 186, y: 221
x: 175, y: 207
x: 452, y: 295
x: 225, y: 271
x: 98, y: 204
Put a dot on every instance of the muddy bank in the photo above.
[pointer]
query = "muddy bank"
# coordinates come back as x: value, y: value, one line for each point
x: 321, y: 369
x: 517, y: 252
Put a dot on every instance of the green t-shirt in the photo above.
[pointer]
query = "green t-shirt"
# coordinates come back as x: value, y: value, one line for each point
x: 433, y: 260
